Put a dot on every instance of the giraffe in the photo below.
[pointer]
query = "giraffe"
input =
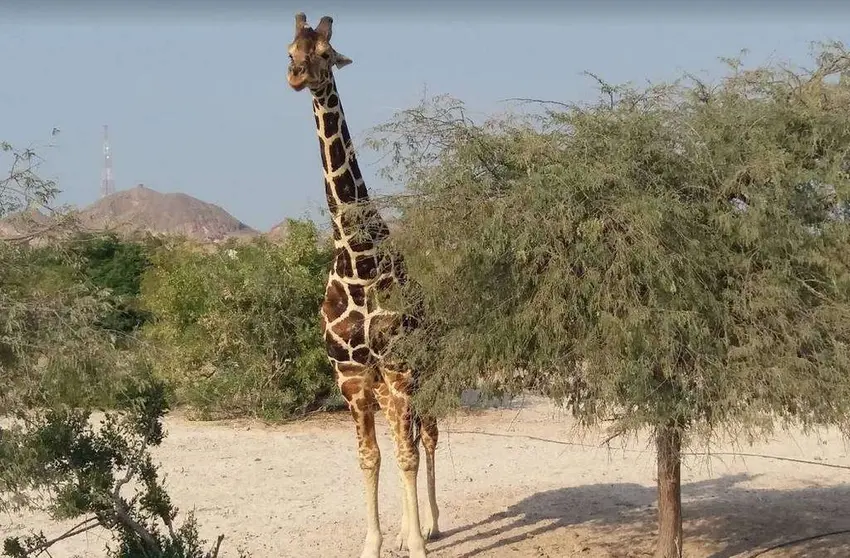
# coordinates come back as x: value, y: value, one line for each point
x: 356, y: 328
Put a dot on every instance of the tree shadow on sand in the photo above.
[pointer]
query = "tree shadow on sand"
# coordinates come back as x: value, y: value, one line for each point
x: 722, y: 520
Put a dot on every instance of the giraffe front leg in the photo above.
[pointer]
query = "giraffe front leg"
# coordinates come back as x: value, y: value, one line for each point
x: 403, y: 427
x: 404, y: 529
x: 369, y: 455
x: 374, y: 539
x: 382, y: 393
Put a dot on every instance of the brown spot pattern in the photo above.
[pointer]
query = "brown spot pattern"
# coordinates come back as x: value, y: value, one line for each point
x: 322, y: 152
x: 361, y: 355
x: 355, y: 169
x: 346, y: 135
x: 351, y: 329
x: 345, y: 369
x: 381, y: 329
x: 358, y: 294
x: 349, y: 225
x: 346, y: 189
x: 330, y: 197
x: 336, y: 300
x: 361, y: 245
x: 350, y: 388
x: 335, y: 350
x: 367, y: 266
x: 330, y: 120
x: 337, y: 155
x: 342, y: 263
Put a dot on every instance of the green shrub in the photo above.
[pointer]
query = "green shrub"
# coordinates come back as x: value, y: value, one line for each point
x: 236, y: 328
x: 117, y: 265
x: 51, y: 348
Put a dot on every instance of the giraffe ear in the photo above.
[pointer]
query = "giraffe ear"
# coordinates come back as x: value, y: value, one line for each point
x: 325, y: 28
x: 341, y: 61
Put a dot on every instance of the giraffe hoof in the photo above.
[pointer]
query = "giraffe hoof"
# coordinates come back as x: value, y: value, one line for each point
x: 431, y: 533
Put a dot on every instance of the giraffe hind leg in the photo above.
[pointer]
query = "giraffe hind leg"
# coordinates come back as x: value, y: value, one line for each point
x: 358, y: 393
x: 382, y: 394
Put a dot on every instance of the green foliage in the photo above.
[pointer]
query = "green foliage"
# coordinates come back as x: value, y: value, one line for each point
x: 117, y: 265
x: 236, y: 325
x: 58, y: 362
x: 667, y: 256
x: 112, y: 263
x: 51, y: 349
x: 85, y: 467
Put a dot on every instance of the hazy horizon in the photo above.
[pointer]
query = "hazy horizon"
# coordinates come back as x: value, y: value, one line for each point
x: 197, y: 102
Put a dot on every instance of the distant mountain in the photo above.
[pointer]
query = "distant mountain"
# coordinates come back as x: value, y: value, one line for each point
x: 22, y: 223
x: 141, y: 209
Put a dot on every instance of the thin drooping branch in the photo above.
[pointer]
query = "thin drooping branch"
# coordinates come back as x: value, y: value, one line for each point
x: 78, y: 529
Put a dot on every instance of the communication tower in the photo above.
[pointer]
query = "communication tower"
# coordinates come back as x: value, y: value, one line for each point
x: 107, y: 183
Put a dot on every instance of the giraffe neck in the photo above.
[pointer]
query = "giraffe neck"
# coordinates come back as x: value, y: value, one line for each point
x: 357, y: 225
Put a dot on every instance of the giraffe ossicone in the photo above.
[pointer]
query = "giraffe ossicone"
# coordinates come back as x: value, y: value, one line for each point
x: 356, y: 328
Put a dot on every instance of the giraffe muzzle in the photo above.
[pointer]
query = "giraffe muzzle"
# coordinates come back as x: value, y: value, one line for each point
x: 297, y: 77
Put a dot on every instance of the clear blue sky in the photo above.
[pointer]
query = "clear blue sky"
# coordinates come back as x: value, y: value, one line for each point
x: 196, y: 98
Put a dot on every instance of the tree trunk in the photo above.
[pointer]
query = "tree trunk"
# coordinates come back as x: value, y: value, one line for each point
x: 668, y: 443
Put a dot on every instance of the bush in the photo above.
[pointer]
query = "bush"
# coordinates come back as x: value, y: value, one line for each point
x: 236, y: 326
x: 108, y: 262
x: 51, y: 349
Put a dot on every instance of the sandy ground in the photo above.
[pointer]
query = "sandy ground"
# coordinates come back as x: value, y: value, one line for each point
x: 511, y: 482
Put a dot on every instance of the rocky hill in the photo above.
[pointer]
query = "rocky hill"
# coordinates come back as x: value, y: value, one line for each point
x: 141, y: 209
x: 22, y: 223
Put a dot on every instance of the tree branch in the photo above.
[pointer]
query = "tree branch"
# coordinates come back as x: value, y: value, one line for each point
x: 78, y: 529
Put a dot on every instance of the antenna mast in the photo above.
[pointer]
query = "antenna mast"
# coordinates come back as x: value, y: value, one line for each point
x: 107, y: 183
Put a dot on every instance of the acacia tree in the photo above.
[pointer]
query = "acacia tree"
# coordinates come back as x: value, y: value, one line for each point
x: 674, y: 256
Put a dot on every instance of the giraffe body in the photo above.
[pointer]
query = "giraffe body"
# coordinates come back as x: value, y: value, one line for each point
x: 356, y: 328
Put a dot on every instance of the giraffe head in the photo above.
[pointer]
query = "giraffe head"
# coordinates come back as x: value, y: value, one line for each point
x: 311, y: 56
